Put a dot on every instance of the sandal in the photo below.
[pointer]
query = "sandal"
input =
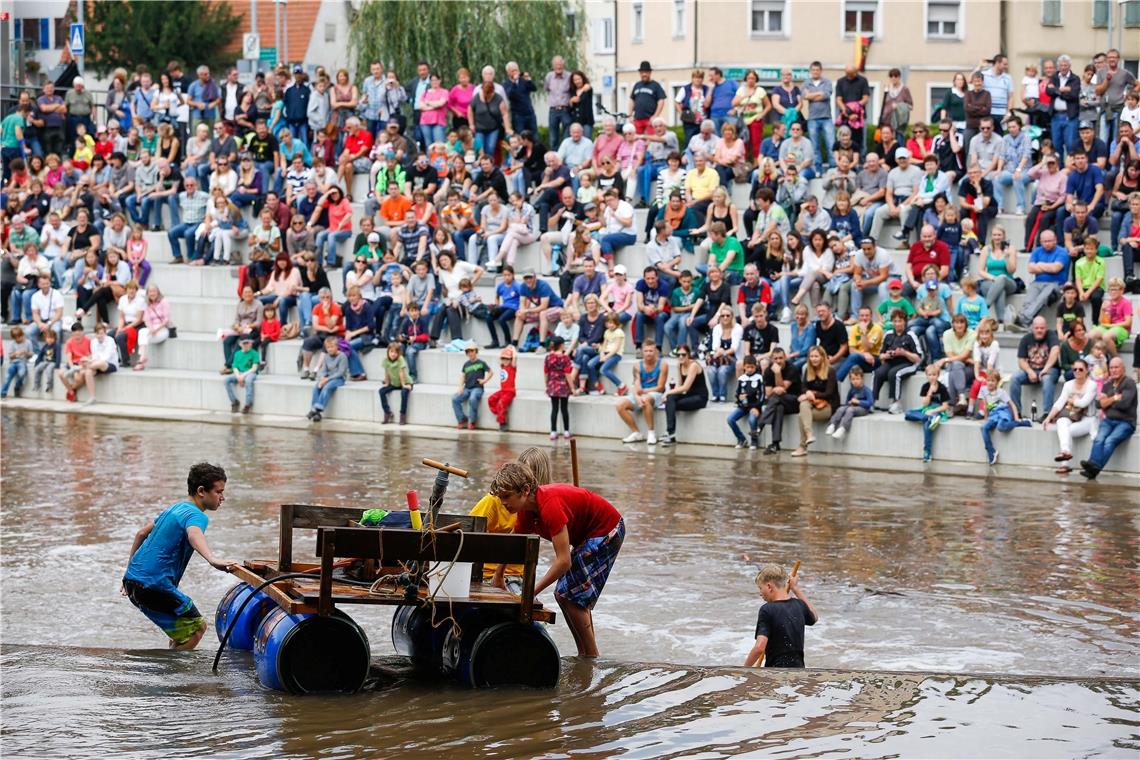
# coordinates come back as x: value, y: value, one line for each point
x: 140, y: 366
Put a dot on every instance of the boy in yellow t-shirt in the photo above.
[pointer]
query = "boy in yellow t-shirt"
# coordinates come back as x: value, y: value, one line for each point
x: 499, y: 520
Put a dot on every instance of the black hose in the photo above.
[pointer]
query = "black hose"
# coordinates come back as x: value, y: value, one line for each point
x: 241, y: 609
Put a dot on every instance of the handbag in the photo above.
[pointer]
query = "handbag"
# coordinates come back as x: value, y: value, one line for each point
x: 1073, y: 413
x: 687, y: 115
x: 1118, y: 205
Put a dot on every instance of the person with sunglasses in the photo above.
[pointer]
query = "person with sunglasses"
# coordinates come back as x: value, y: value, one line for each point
x: 689, y: 395
x: 1074, y: 412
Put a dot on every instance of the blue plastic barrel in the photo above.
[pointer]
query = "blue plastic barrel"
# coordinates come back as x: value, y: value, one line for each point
x: 490, y: 651
x: 303, y: 654
x: 413, y: 635
x: 245, y: 629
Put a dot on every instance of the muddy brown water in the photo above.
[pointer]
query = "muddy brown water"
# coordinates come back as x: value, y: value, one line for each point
x: 960, y: 617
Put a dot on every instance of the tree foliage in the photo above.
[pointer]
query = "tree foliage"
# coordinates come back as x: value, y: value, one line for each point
x: 121, y: 33
x: 449, y: 34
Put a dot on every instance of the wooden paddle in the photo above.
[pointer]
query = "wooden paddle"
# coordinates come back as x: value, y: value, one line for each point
x: 795, y: 569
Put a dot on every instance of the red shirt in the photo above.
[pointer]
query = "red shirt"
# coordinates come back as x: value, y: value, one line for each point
x: 271, y: 329
x: 321, y: 318
x: 77, y: 348
x: 583, y: 513
x: 919, y: 257
x: 507, y: 374
x: 359, y: 143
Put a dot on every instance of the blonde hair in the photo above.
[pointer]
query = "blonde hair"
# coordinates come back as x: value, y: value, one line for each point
x: 772, y: 573
x: 538, y: 462
x: 824, y: 365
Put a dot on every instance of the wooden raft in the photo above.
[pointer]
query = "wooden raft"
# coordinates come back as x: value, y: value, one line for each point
x: 340, y: 536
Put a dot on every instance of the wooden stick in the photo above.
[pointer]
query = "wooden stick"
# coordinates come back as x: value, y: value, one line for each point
x: 795, y: 569
x: 445, y: 467
x: 574, y: 459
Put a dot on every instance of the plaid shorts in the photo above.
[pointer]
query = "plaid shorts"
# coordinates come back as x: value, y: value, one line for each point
x: 590, y: 566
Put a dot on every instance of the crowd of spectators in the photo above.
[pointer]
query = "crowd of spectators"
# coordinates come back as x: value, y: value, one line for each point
x: 459, y: 179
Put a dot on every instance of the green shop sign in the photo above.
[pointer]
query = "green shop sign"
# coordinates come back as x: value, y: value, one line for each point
x: 769, y: 74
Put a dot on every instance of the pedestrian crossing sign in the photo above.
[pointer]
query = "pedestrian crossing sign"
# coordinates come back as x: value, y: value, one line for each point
x: 76, y: 39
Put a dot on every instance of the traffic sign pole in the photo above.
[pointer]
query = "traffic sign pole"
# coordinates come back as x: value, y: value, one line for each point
x: 79, y: 19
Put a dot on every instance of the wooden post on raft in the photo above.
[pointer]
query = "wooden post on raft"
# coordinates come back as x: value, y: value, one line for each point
x: 574, y: 459
x: 795, y: 569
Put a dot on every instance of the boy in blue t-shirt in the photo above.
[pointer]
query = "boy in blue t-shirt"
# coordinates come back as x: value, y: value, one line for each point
x: 161, y: 550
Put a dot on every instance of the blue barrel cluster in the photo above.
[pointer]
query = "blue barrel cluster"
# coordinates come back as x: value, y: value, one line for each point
x: 488, y: 648
x: 297, y: 653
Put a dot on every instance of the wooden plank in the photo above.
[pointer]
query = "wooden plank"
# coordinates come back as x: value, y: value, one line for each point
x: 530, y: 569
x: 412, y: 545
x: 281, y: 593
x: 308, y: 592
x: 327, y: 539
x: 285, y: 539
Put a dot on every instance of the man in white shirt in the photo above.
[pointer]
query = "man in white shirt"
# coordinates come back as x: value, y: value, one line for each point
x: 53, y: 237
x: 617, y: 230
x: 577, y: 150
x: 46, y: 312
x: 873, y: 269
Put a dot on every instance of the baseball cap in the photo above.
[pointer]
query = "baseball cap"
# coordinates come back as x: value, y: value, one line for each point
x: 373, y: 237
x: 1086, y: 124
x: 470, y: 346
x: 245, y: 339
x: 867, y: 239
x: 298, y: 69
x: 393, y: 121
x: 528, y: 273
x: 589, y: 207
x: 902, y: 153
x: 895, y: 283
x: 620, y: 269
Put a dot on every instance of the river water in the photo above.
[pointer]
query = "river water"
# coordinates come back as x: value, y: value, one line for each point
x: 922, y: 583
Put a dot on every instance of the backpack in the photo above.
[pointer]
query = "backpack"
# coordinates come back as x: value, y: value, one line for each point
x: 531, y: 343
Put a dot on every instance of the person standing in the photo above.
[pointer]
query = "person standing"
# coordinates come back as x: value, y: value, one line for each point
x: 587, y: 533
x: 519, y: 88
x: 1114, y: 81
x: 161, y: 550
x: 999, y: 85
x: 556, y: 83
x: 852, y: 93
x: 817, y: 91
x: 647, y: 100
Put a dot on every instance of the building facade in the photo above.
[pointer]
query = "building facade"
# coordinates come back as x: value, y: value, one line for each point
x: 928, y: 40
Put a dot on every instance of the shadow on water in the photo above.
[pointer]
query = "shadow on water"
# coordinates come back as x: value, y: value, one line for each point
x: 910, y: 572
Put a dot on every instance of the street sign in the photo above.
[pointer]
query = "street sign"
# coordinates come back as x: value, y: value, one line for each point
x: 767, y: 74
x: 76, y: 38
x: 251, y: 46
x: 268, y: 54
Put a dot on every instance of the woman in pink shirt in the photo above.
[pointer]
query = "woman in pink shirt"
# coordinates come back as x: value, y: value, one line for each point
x: 459, y: 98
x: 617, y: 295
x: 156, y: 324
x: 607, y: 142
x: 433, y: 111
x: 630, y: 154
x: 340, y: 223
x: 729, y: 154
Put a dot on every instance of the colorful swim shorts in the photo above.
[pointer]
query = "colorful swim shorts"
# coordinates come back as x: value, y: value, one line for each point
x: 174, y: 613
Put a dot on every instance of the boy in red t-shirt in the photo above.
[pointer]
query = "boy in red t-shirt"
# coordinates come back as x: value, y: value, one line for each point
x: 77, y: 348
x: 499, y: 402
x: 587, y: 533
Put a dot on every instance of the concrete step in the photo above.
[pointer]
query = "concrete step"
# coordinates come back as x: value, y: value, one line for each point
x: 879, y: 435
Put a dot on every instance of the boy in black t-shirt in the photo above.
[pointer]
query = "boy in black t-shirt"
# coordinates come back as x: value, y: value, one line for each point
x: 780, y: 624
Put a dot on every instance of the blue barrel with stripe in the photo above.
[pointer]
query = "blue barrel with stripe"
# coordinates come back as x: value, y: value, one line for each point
x: 245, y: 626
x: 305, y: 654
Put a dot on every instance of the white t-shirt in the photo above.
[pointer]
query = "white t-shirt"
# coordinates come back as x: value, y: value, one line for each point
x: 46, y: 304
x: 624, y: 210
x: 450, y: 280
x: 132, y: 308
x: 105, y: 350
x: 53, y: 240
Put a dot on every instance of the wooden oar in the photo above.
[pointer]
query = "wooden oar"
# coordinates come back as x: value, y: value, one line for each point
x: 795, y: 569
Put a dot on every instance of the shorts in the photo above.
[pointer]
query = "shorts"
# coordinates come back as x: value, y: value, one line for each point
x: 110, y: 369
x: 658, y: 400
x: 552, y: 314
x: 361, y: 165
x: 590, y: 566
x: 174, y: 613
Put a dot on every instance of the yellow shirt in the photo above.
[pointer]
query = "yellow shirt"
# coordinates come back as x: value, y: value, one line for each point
x: 499, y: 520
x: 701, y: 187
x: 874, y: 336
